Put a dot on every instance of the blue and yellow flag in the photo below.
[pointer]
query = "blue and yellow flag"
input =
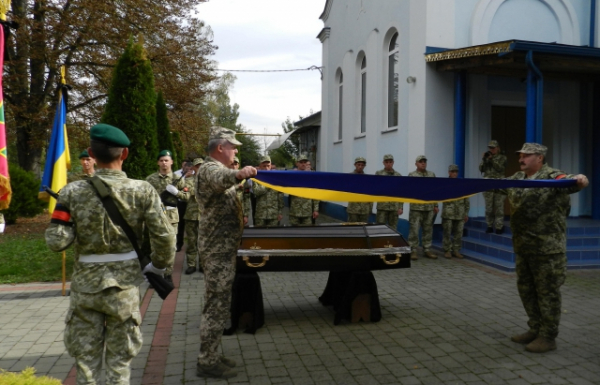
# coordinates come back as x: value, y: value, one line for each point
x: 341, y: 187
x: 58, y: 159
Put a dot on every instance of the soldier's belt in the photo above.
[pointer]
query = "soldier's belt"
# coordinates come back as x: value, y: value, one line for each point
x: 96, y: 258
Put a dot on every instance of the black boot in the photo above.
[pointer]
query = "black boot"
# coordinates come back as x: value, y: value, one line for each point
x: 489, y: 230
x: 500, y: 230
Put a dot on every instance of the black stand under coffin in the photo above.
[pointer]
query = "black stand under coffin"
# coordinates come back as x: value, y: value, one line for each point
x: 322, y: 248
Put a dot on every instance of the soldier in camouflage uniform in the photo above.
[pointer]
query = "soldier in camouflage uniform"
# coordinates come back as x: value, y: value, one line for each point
x: 87, y: 165
x: 170, y: 188
x: 191, y: 217
x: 219, y: 235
x: 104, y: 311
x: 493, y: 166
x: 421, y: 215
x: 302, y: 210
x: 454, y: 216
x: 269, y: 203
x: 359, y: 211
x: 539, y: 227
x: 388, y: 212
x: 243, y: 191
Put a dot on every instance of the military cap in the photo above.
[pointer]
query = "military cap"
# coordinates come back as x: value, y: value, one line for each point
x: 388, y: 157
x: 217, y: 132
x: 165, y: 153
x: 453, y: 167
x: 197, y: 161
x: 265, y: 158
x: 360, y: 159
x: 534, y: 148
x: 109, y: 135
x: 302, y: 156
x: 236, y: 159
x: 493, y: 144
x: 84, y: 154
x: 420, y: 158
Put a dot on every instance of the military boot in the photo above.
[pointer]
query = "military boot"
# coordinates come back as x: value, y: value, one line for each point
x: 456, y: 254
x: 447, y: 255
x: 524, y: 338
x: 541, y: 345
x: 430, y: 254
x: 228, y: 361
x: 218, y: 370
x: 414, y: 256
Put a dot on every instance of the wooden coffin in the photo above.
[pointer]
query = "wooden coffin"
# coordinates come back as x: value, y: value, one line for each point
x: 322, y: 248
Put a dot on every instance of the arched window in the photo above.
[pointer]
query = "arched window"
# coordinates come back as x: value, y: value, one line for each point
x: 363, y: 95
x: 340, y: 104
x: 392, y: 82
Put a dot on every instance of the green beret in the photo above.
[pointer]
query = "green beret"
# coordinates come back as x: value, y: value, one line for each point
x: 84, y: 154
x: 109, y: 135
x: 165, y: 153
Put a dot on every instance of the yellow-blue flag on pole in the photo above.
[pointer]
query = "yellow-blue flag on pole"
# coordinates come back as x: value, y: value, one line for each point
x: 58, y: 159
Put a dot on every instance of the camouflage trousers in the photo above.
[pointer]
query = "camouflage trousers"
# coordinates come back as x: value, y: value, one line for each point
x: 453, y: 232
x: 169, y: 270
x: 266, y: 222
x: 191, y: 241
x: 219, y: 273
x: 539, y: 278
x: 352, y: 218
x: 387, y: 217
x: 300, y: 221
x: 109, y: 318
x: 494, y: 209
x: 417, y: 220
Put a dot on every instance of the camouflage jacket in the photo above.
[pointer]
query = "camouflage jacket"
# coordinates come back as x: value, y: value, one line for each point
x: 493, y: 167
x: 221, y: 224
x: 302, y: 207
x: 458, y: 209
x: 243, y: 194
x: 79, y: 176
x: 160, y: 182
x: 389, y: 206
x: 360, y: 207
x: 80, y: 218
x: 538, y: 216
x: 192, y: 211
x: 422, y: 206
x: 269, y: 203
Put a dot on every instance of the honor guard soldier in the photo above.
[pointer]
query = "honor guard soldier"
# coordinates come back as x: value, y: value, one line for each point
x: 454, y: 216
x: 191, y: 217
x: 388, y: 212
x: 302, y: 210
x: 170, y: 188
x: 104, y: 311
x: 421, y: 215
x: 493, y: 166
x: 87, y: 165
x: 269, y: 203
x: 359, y: 211
x: 538, y: 221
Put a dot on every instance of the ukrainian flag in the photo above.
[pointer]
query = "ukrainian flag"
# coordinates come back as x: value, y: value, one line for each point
x: 58, y: 159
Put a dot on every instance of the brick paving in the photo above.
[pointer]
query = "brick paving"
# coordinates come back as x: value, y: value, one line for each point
x: 444, y: 321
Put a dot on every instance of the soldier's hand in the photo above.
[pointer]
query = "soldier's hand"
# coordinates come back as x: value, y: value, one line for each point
x: 436, y: 210
x: 172, y: 189
x: 400, y: 211
x: 245, y: 221
x: 582, y: 181
x: 246, y: 172
x: 315, y: 214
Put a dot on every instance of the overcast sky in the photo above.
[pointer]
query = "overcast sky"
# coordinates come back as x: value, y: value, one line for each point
x: 269, y: 35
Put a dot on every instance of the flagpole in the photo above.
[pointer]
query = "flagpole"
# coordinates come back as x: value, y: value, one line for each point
x: 64, y: 254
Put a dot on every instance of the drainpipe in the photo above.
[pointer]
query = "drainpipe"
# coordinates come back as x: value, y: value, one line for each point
x: 593, y: 24
x: 460, y: 119
x: 535, y: 101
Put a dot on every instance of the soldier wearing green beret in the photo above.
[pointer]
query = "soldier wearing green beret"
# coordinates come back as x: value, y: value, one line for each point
x: 388, y: 212
x: 421, y: 215
x: 303, y: 211
x: 87, y: 165
x: 269, y: 203
x: 538, y: 221
x: 359, y: 211
x: 171, y: 189
x: 493, y: 166
x: 104, y: 310
x: 454, y: 216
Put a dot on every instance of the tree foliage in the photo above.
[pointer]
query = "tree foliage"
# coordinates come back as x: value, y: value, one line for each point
x: 131, y: 106
x: 25, y: 187
x: 286, y: 154
x: 163, y: 131
x: 87, y: 36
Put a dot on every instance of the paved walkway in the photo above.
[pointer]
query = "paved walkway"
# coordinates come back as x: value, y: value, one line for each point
x: 444, y: 321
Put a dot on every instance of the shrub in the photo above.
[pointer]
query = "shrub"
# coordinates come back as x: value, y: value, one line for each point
x: 26, y: 377
x: 25, y: 187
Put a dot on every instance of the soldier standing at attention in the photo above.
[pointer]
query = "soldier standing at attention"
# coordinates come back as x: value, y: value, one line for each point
x: 104, y: 311
x: 219, y: 236
x: 191, y: 217
x: 421, y: 215
x: 359, y: 211
x: 454, y: 216
x: 388, y: 212
x: 170, y: 189
x: 87, y: 165
x: 493, y: 166
x: 302, y: 210
x: 269, y: 203
x: 538, y: 220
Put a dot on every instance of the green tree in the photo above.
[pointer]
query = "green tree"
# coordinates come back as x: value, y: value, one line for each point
x: 179, y: 151
x: 287, y: 152
x: 25, y: 187
x: 163, y: 132
x: 131, y: 106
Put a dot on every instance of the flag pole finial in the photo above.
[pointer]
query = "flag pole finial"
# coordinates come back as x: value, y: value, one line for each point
x: 4, y: 8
